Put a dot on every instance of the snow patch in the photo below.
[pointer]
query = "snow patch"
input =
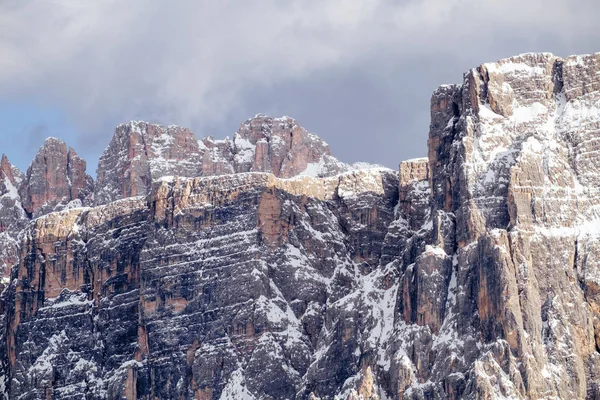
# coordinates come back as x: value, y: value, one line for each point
x: 236, y: 389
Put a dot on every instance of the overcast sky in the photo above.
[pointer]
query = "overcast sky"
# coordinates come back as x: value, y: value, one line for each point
x: 358, y: 73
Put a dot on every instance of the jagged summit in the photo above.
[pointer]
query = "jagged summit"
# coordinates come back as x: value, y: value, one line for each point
x: 51, y: 140
x: 10, y: 172
x: 141, y: 152
x: 55, y: 179
x: 12, y: 215
x: 473, y: 273
x: 10, y: 201
x: 283, y: 147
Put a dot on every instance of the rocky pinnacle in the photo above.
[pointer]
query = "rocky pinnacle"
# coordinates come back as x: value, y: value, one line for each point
x: 260, y: 267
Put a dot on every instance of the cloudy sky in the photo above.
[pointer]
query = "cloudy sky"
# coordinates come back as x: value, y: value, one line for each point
x: 359, y: 73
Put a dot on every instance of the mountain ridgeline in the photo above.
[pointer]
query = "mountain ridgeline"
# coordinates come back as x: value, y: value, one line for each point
x: 262, y: 267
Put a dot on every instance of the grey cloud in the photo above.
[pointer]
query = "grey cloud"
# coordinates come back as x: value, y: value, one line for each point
x: 359, y: 73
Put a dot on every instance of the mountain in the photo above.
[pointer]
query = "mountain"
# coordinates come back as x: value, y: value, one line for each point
x: 139, y: 153
x: 262, y: 268
x: 12, y: 215
x: 55, y: 179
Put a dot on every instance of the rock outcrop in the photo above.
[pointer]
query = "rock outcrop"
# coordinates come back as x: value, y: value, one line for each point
x: 210, y: 285
x: 10, y: 181
x: 12, y: 215
x: 140, y: 153
x: 500, y: 301
x: 282, y: 147
x: 55, y: 179
x: 473, y: 273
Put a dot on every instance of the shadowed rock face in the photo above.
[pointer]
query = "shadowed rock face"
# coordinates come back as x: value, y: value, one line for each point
x: 473, y: 273
x: 207, y: 281
x: 12, y: 215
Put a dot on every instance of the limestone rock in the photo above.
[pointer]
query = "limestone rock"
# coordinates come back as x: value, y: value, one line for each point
x: 209, y: 285
x: 55, y: 179
x: 471, y: 274
x: 514, y: 182
x: 140, y: 152
x: 12, y: 215
x: 282, y: 147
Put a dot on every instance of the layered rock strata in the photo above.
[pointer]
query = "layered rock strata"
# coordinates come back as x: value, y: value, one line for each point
x: 500, y: 302
x: 471, y: 274
x: 208, y: 286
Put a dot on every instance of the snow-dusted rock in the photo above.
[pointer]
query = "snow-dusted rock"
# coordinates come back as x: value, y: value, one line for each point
x: 56, y: 179
x: 140, y: 153
x: 282, y: 147
x: 473, y: 273
x: 208, y: 287
x: 12, y: 216
x: 511, y: 309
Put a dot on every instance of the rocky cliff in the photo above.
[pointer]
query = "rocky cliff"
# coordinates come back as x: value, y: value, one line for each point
x: 207, y: 280
x: 55, y: 179
x: 140, y: 153
x: 12, y: 215
x: 262, y: 268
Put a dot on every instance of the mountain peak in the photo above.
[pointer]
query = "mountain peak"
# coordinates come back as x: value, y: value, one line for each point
x: 141, y: 152
x: 53, y: 141
x: 5, y: 166
x: 472, y: 273
x: 56, y: 178
x: 281, y: 146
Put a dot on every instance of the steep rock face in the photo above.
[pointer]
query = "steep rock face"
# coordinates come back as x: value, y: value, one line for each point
x: 55, y: 179
x: 414, y: 191
x: 140, y: 153
x: 471, y: 274
x: 211, y: 287
x: 12, y: 215
x: 513, y: 239
x: 10, y: 180
x: 282, y: 147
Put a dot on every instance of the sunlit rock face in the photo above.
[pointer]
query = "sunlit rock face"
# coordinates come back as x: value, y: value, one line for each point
x: 513, y: 157
x: 282, y: 147
x: 259, y: 267
x: 140, y: 153
x: 56, y: 179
